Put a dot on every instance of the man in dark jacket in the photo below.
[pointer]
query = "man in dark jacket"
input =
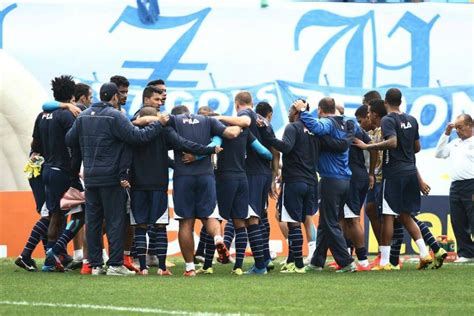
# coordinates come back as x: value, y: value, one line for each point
x: 101, y: 132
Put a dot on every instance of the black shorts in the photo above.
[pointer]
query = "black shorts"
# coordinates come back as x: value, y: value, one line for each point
x: 400, y: 195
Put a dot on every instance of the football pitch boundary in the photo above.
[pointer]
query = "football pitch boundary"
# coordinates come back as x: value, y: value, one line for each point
x: 143, y: 310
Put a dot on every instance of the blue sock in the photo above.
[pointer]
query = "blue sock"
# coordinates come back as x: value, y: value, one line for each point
x: 68, y: 234
x: 39, y: 232
x: 50, y: 244
x: 209, y: 252
x: 361, y: 253
x: 229, y: 232
x: 290, y: 258
x: 140, y: 245
x: 265, y: 227
x: 295, y: 238
x: 152, y: 240
x: 202, y: 244
x: 427, y: 235
x: 240, y: 246
x: 255, y: 239
x: 397, y: 241
x: 162, y: 246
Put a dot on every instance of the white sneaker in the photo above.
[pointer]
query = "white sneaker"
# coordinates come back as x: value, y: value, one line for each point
x: 151, y: 261
x: 99, y: 271
x: 464, y: 260
x: 119, y: 270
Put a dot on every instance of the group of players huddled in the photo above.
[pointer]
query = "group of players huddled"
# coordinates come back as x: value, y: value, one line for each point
x: 111, y: 174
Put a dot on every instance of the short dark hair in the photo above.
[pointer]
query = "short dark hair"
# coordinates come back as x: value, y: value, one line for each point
x: 372, y: 95
x: 148, y: 111
x: 120, y: 81
x: 155, y: 82
x: 327, y: 105
x: 63, y: 88
x: 393, y: 97
x: 205, y: 110
x: 149, y: 91
x: 180, y: 109
x: 362, y: 111
x: 467, y: 119
x: 243, y: 97
x: 81, y: 89
x: 263, y: 108
x: 378, y: 107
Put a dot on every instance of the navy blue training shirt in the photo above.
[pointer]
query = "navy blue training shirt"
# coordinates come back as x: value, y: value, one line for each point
x: 254, y: 164
x: 401, y: 160
x: 199, y: 129
x: 300, y: 150
x: 356, y: 155
x: 50, y: 130
x: 231, y: 161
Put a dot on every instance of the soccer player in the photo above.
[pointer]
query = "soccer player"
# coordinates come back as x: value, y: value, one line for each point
x: 335, y: 182
x: 160, y: 85
x: 359, y: 186
x: 259, y: 177
x: 149, y: 186
x: 122, y: 84
x: 400, y: 186
x: 101, y: 132
x: 48, y: 138
x: 300, y: 150
x: 194, y: 190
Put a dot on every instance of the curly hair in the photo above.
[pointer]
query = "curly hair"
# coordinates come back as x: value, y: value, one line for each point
x: 63, y: 88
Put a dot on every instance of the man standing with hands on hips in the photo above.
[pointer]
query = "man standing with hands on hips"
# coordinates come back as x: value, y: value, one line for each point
x: 461, y: 194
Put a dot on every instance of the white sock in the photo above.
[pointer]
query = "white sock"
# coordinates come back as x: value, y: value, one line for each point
x: 311, y: 248
x: 218, y: 239
x: 105, y: 255
x: 349, y: 250
x: 78, y: 254
x: 422, y: 247
x: 125, y: 253
x: 364, y: 263
x: 384, y: 255
x: 190, y: 266
x: 85, y: 261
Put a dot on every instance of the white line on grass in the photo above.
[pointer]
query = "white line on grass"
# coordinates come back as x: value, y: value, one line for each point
x: 115, y: 308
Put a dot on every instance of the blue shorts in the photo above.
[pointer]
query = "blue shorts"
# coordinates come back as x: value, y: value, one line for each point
x: 400, y: 195
x: 233, y: 198
x: 194, y: 196
x: 56, y: 182
x: 39, y: 192
x: 149, y: 207
x: 259, y: 187
x: 374, y: 193
x: 296, y: 201
x: 357, y: 193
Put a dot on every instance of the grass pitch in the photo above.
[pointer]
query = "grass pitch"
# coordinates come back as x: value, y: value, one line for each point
x: 411, y: 292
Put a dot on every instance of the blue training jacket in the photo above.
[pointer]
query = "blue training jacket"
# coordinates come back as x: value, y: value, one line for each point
x: 330, y: 165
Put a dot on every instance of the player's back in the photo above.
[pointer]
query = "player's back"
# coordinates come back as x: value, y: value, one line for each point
x: 400, y: 161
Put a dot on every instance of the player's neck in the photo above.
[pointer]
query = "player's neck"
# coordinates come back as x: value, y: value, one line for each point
x: 394, y: 109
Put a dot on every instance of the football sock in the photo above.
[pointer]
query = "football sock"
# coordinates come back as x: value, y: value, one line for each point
x: 422, y: 247
x: 209, y: 252
x: 397, y: 240
x: 38, y: 232
x: 162, y: 246
x: 78, y: 254
x: 229, y: 232
x: 255, y: 239
x: 290, y: 258
x: 140, y: 245
x: 265, y: 238
x: 202, y: 245
x: 385, y: 255
x: 361, y: 254
x: 427, y: 235
x: 152, y: 240
x: 68, y: 234
x: 190, y: 266
x: 240, y: 246
x: 295, y: 242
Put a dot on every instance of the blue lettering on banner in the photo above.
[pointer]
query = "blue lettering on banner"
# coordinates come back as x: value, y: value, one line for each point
x: 3, y: 13
x: 354, y: 55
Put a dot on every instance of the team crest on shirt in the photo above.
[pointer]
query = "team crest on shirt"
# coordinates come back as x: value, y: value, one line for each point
x: 406, y: 125
x: 47, y: 116
x: 190, y: 121
x: 306, y: 131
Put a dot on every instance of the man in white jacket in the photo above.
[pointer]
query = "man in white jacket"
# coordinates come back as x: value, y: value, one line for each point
x: 461, y: 195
